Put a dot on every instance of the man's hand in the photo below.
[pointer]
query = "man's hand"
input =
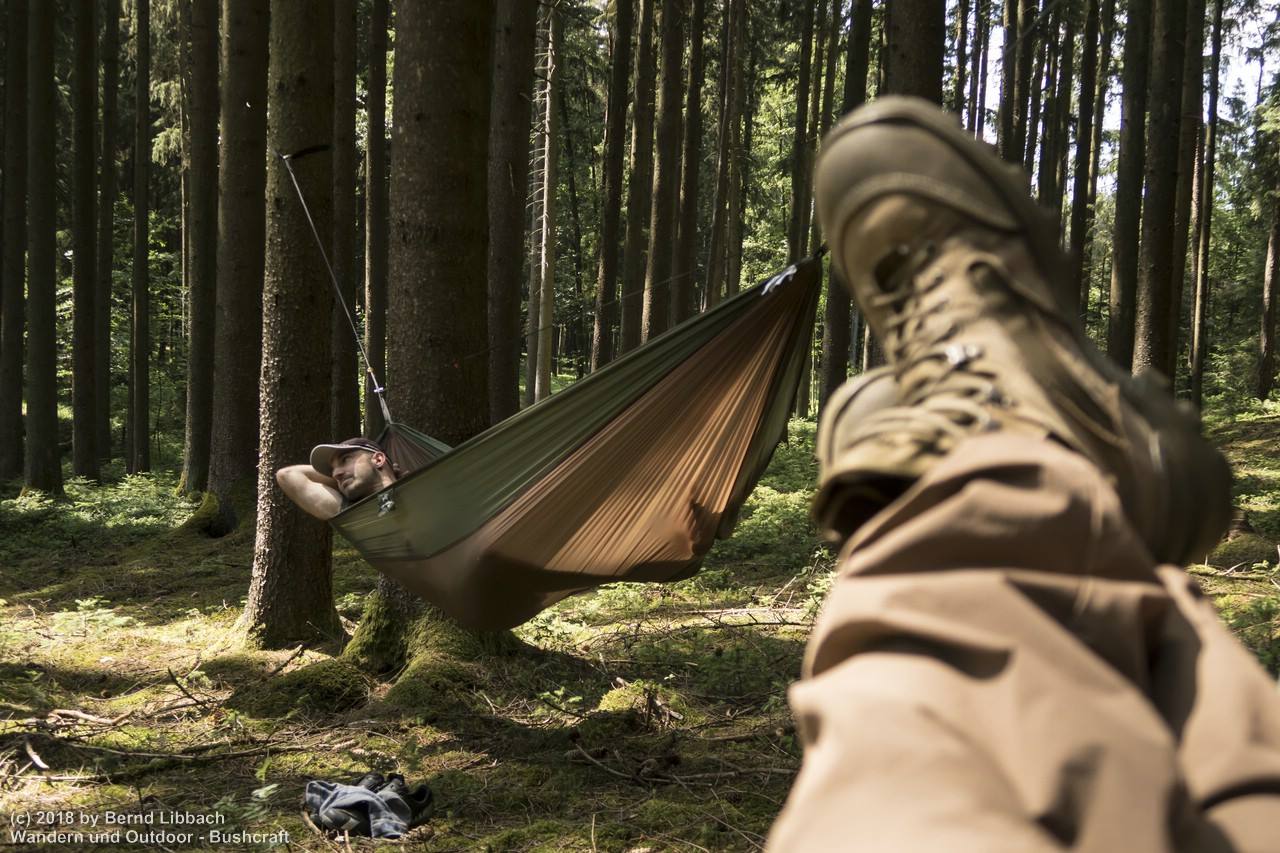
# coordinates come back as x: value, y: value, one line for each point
x: 311, y: 490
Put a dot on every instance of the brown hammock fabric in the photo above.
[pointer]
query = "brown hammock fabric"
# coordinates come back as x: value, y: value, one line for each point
x: 630, y: 474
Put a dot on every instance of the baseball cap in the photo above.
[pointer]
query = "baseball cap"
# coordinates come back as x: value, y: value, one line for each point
x: 322, y: 454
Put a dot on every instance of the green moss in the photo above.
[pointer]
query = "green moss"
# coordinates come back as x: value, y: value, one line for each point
x: 326, y: 686
x: 1244, y: 551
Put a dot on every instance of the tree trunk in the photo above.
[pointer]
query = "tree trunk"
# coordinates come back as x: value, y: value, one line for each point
x: 1024, y: 61
x: 1040, y: 90
x: 291, y: 593
x: 138, y: 454
x: 550, y: 184
x: 44, y: 465
x: 606, y: 318
x: 376, y: 224
x: 640, y: 185
x: 1200, y: 321
x: 84, y: 370
x: 739, y: 154
x: 687, y: 241
x: 978, y: 80
x: 344, y: 412
x: 203, y: 209
x: 1270, y: 292
x: 440, y: 223
x: 716, y: 254
x: 962, y: 59
x: 837, y: 321
x: 510, y: 107
x: 1188, y: 142
x: 1062, y: 117
x: 242, y: 176
x: 916, y: 41
x: 13, y: 272
x: 536, y: 189
x: 107, y: 190
x: 1153, y: 345
x: 1129, y: 171
x: 1108, y: 24
x: 800, y: 137
x: 666, y: 183
x: 1008, y: 68
x: 1081, y: 212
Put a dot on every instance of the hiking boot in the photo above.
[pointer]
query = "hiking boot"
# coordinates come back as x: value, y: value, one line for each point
x: 373, y: 781
x: 848, y: 498
x: 418, y: 799
x: 961, y: 277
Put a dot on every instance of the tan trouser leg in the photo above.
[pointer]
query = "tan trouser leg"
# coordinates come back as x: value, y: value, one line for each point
x: 1000, y: 666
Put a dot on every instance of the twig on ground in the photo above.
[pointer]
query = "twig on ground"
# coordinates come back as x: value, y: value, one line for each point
x: 31, y: 753
x: 296, y: 654
x: 186, y: 692
x: 602, y: 765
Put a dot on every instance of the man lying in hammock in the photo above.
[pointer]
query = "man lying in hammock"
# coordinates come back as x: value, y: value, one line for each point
x: 338, y: 476
x: 1011, y: 656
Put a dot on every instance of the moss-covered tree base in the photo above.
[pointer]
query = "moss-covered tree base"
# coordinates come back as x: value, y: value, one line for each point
x: 1243, y: 552
x: 323, y: 687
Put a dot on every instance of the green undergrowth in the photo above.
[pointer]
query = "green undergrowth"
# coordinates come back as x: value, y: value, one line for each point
x: 633, y: 717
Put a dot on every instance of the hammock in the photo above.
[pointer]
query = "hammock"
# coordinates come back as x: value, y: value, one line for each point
x: 629, y: 474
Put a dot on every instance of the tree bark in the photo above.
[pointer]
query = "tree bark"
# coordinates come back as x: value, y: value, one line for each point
x: 739, y: 156
x: 800, y: 137
x: 1024, y: 61
x: 13, y: 272
x: 510, y: 107
x: 1008, y: 68
x: 546, y: 301
x: 344, y: 413
x: 1081, y: 211
x: 837, y: 320
x: 1062, y: 116
x: 1041, y: 90
x: 978, y: 121
x: 719, y: 238
x: 687, y: 241
x: 291, y: 593
x: 606, y: 315
x: 107, y: 191
x: 640, y: 185
x: 44, y: 465
x: 1108, y: 24
x: 962, y: 59
x: 666, y: 183
x: 84, y: 370
x: 203, y: 217
x: 242, y: 176
x: 440, y: 217
x: 1188, y: 141
x: 1270, y: 293
x: 1154, y: 347
x: 1200, y: 319
x: 536, y: 189
x: 138, y: 454
x: 376, y: 224
x: 916, y: 42
x: 440, y: 223
x: 1129, y: 171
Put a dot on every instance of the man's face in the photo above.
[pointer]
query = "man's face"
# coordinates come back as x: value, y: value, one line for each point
x: 356, y: 474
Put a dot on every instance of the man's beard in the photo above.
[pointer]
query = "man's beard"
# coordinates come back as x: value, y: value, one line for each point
x: 358, y: 489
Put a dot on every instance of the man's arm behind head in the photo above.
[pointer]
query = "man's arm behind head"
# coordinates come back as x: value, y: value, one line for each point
x: 311, y: 490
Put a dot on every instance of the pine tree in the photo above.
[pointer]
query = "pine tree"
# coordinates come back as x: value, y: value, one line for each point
x: 12, y: 272
x: 290, y: 593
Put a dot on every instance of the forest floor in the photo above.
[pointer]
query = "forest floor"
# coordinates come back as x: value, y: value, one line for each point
x: 638, y: 717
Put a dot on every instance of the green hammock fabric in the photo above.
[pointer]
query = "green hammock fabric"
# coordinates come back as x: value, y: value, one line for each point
x: 629, y: 474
